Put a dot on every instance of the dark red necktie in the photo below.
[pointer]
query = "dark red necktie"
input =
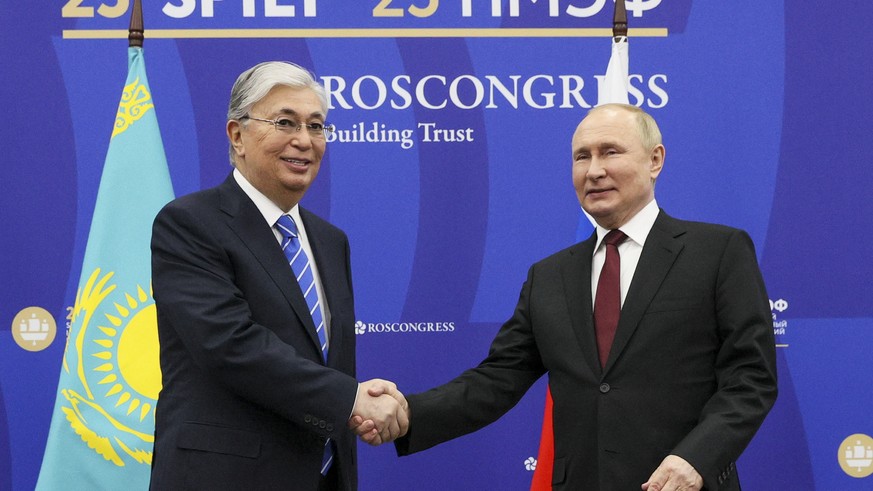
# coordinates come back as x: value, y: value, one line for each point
x: 607, y: 302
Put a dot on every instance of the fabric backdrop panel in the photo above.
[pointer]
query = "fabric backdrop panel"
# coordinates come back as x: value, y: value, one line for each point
x: 450, y: 173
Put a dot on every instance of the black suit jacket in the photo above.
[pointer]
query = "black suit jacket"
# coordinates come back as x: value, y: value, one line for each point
x: 692, y: 370
x: 247, y: 401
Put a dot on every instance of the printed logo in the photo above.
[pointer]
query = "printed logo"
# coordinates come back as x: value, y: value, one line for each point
x: 530, y: 464
x: 780, y: 305
x: 360, y: 328
x: 403, y: 327
x: 637, y: 7
x: 779, y: 325
x: 856, y: 455
x: 34, y: 329
x: 116, y: 376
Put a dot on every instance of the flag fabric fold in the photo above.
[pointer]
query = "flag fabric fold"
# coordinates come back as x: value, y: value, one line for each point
x: 542, y: 478
x: 612, y: 89
x: 102, y: 428
x: 614, y: 86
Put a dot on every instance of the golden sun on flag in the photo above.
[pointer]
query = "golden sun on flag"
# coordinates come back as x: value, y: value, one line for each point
x: 130, y: 351
x: 118, y: 370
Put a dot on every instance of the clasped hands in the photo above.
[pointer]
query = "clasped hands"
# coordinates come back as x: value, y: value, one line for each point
x: 381, y: 413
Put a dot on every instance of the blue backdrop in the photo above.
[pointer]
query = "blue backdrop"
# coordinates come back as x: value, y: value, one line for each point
x: 765, y: 112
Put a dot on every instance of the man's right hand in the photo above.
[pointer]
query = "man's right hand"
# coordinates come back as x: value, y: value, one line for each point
x: 381, y: 413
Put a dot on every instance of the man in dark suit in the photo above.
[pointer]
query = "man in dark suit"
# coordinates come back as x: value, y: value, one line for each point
x: 671, y: 396
x: 258, y: 356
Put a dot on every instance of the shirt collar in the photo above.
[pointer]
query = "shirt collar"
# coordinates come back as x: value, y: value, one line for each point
x: 270, y: 211
x: 637, y: 228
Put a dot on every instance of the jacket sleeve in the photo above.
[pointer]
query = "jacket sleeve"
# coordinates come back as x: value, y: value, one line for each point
x: 480, y: 395
x: 745, y: 367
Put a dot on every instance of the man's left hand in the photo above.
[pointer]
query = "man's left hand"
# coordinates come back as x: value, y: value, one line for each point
x: 674, y: 474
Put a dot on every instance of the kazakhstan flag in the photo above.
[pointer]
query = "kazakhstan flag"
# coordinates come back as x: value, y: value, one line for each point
x: 102, y: 429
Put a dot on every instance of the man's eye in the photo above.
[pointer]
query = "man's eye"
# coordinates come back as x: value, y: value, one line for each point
x: 315, y: 126
x: 286, y: 123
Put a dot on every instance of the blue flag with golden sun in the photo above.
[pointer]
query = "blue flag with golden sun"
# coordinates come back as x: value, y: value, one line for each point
x: 102, y: 429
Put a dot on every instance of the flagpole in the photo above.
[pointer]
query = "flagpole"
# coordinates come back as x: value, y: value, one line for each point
x: 103, y: 438
x: 612, y: 89
x: 619, y: 20
x: 135, y: 36
x: 615, y: 85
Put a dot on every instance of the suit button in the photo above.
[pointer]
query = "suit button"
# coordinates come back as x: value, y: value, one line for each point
x: 329, y: 427
x: 307, y: 418
x: 604, y: 388
x: 322, y: 424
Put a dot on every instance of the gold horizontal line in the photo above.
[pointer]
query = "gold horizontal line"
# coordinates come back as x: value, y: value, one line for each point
x: 362, y: 33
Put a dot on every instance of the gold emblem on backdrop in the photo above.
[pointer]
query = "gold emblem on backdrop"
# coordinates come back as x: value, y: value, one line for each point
x: 113, y: 354
x: 136, y: 100
x: 34, y: 329
x: 856, y: 455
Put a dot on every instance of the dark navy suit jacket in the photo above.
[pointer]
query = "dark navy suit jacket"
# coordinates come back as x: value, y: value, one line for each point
x: 247, y: 401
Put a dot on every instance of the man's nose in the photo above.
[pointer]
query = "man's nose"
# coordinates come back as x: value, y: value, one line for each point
x: 301, y: 138
x: 596, y: 169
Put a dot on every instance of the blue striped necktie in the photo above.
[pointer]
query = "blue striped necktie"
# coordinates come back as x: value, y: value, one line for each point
x: 302, y: 268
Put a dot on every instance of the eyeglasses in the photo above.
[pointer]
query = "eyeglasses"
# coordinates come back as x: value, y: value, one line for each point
x: 285, y: 125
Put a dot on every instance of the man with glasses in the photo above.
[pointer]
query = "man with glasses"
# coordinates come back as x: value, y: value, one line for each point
x: 256, y: 314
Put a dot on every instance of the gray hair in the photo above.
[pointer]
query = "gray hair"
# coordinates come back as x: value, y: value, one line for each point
x: 650, y: 134
x: 255, y: 83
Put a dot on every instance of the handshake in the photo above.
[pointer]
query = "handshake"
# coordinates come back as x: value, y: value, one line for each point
x: 381, y: 413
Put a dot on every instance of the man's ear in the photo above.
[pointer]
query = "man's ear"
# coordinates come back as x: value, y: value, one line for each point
x: 656, y: 160
x: 234, y: 135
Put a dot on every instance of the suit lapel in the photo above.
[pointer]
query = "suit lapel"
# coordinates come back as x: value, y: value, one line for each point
x: 249, y: 226
x: 660, y: 252
x: 577, y: 289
